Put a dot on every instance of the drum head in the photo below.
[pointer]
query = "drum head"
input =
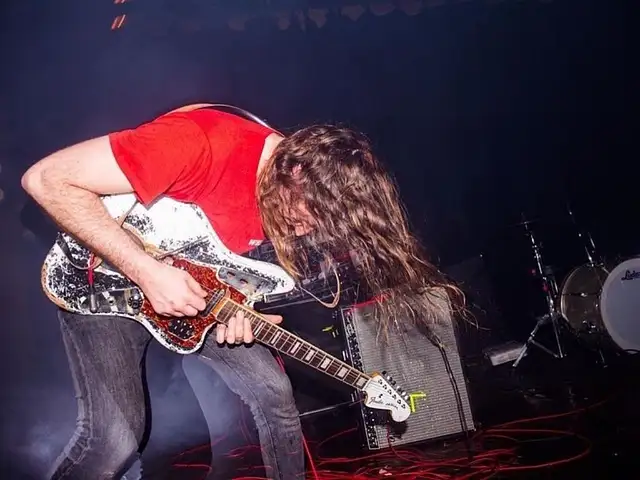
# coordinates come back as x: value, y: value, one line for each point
x: 580, y: 298
x: 620, y: 304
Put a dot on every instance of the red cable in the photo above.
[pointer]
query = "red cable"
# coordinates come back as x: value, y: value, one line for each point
x: 311, y: 464
x: 406, y: 463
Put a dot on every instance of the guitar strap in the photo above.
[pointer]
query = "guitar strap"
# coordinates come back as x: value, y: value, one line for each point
x: 223, y: 106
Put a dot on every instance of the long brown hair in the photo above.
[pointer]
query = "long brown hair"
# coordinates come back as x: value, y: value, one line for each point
x: 331, y: 174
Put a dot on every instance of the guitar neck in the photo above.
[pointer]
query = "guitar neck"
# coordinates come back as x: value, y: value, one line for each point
x: 293, y: 346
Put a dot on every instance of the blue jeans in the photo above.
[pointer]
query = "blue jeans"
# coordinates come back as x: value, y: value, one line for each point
x: 105, y: 357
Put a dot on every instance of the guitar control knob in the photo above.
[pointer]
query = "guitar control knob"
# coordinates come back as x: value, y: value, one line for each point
x: 135, y: 301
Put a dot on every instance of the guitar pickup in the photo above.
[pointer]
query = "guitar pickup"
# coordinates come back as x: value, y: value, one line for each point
x: 217, y: 295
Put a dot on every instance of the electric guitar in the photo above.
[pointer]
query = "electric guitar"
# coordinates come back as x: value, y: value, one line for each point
x: 181, y: 235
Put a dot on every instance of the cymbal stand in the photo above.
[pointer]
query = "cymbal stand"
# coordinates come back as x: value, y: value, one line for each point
x: 586, y: 239
x: 550, y: 288
x: 593, y: 259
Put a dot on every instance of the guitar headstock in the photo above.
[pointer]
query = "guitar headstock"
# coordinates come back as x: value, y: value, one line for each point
x: 382, y: 393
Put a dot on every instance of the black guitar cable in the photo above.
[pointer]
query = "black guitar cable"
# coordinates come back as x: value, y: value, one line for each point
x: 435, y: 340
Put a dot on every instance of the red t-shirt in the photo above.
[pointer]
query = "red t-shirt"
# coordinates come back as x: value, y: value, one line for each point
x: 206, y: 157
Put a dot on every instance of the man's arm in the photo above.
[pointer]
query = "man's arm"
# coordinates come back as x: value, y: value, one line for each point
x: 68, y: 183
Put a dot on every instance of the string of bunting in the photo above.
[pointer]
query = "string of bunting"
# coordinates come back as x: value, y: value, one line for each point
x: 319, y: 16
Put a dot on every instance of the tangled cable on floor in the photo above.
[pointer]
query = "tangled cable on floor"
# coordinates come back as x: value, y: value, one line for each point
x: 498, y: 450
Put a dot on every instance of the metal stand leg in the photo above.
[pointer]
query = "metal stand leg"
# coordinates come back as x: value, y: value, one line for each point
x: 550, y: 291
x: 532, y: 339
x: 555, y: 318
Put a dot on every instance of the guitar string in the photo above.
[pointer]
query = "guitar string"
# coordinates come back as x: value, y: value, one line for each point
x: 289, y: 341
x: 350, y: 370
x: 373, y: 386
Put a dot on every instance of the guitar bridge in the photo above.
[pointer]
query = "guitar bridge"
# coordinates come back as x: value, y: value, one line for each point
x: 126, y: 301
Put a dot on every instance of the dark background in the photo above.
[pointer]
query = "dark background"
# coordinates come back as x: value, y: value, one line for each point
x: 482, y: 110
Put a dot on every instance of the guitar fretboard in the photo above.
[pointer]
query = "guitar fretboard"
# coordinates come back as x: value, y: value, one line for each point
x: 280, y: 339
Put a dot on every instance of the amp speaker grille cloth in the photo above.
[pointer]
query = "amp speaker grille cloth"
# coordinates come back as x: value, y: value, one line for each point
x: 419, y: 368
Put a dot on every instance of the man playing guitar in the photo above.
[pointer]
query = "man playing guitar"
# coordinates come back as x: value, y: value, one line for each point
x: 252, y: 183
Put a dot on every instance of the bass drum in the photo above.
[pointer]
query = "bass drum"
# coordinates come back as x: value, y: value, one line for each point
x: 580, y: 300
x: 602, y: 306
x: 620, y: 305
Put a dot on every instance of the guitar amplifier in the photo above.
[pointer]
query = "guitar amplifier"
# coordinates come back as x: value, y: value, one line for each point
x: 433, y: 377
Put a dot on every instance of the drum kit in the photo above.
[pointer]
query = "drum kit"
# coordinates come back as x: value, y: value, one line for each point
x: 599, y: 301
